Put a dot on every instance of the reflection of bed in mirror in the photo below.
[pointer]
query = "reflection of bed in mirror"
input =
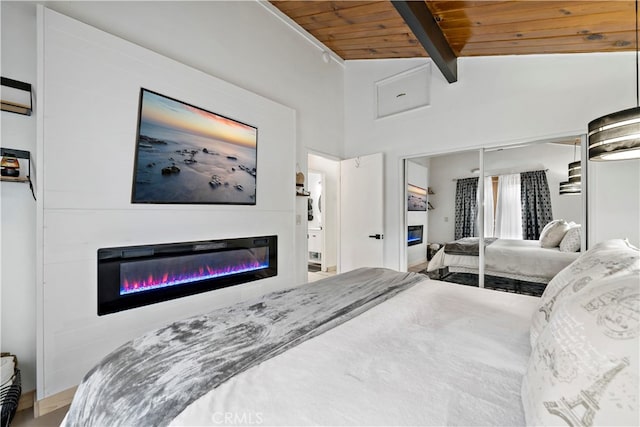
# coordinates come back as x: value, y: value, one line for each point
x: 515, y: 265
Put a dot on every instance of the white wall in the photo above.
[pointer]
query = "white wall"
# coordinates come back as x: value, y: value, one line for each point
x: 240, y: 42
x: 444, y: 169
x: 615, y: 201
x: 89, y: 114
x: 17, y: 211
x: 497, y: 101
x: 331, y: 170
x: 418, y: 175
x: 244, y: 44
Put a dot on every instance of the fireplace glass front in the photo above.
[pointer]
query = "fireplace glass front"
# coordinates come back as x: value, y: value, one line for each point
x: 134, y: 276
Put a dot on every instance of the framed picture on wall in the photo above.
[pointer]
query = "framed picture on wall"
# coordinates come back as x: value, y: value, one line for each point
x: 188, y: 155
x: 416, y: 198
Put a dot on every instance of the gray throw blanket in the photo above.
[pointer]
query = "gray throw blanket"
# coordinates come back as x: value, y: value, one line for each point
x: 467, y: 246
x: 151, y: 379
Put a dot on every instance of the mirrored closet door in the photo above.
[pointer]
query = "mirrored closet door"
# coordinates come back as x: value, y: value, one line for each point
x: 519, y: 194
x: 447, y: 213
x: 532, y: 199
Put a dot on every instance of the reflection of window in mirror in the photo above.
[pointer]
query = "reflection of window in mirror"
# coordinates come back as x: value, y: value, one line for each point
x: 522, y: 188
x: 503, y: 211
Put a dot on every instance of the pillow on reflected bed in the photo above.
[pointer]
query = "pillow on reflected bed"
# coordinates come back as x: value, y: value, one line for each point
x: 611, y: 258
x: 571, y: 240
x: 583, y: 368
x: 553, y: 232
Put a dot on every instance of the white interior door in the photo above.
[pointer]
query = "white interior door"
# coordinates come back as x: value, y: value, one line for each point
x: 361, y: 216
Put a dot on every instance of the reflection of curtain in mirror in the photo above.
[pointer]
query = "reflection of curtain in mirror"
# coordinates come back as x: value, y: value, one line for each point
x: 508, y: 208
x: 466, y: 207
x: 488, y: 208
x: 536, y: 203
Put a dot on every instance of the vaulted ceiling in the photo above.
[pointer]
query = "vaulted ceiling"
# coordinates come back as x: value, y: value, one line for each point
x: 375, y: 29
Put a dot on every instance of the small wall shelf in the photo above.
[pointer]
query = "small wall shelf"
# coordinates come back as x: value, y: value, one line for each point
x: 16, y: 96
x: 13, y: 179
x: 9, y: 158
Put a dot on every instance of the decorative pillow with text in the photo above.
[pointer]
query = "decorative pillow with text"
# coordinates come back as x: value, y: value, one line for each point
x: 584, y: 367
x: 610, y: 258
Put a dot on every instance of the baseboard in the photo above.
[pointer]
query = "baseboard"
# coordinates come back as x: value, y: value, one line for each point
x: 332, y: 269
x: 26, y: 400
x: 51, y: 403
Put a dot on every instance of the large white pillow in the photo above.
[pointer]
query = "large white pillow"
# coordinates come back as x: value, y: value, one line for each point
x: 571, y: 240
x: 608, y: 258
x: 553, y: 232
x: 550, y: 224
x: 584, y: 367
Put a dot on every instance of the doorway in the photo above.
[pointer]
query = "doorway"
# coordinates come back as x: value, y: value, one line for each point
x: 323, y: 178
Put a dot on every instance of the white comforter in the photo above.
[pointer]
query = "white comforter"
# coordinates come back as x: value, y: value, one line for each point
x: 437, y: 354
x: 517, y: 259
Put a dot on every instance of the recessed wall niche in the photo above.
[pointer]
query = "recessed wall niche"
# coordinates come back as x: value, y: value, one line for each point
x: 404, y: 91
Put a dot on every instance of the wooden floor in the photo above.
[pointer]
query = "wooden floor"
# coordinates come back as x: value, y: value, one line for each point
x: 418, y: 267
x: 25, y: 418
x: 317, y: 275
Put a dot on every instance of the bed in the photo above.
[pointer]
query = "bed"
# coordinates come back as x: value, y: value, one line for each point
x: 522, y: 260
x: 378, y: 347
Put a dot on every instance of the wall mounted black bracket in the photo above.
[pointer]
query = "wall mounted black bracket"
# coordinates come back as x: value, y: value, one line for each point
x: 18, y: 154
x: 12, y: 101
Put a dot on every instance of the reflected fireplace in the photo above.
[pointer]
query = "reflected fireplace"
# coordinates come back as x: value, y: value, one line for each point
x: 134, y: 276
x: 414, y: 235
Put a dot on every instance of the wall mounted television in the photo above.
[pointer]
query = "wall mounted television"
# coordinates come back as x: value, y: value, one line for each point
x: 416, y: 198
x: 188, y: 155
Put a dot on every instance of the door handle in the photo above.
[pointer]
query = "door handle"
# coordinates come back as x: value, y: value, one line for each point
x: 377, y: 236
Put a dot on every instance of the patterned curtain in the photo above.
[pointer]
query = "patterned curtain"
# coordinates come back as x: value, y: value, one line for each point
x: 466, y: 207
x: 536, y: 203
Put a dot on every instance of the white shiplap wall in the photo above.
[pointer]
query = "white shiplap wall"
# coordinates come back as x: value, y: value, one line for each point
x: 87, y: 112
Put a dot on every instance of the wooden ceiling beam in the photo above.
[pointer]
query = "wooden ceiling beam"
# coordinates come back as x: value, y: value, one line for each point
x: 424, y: 26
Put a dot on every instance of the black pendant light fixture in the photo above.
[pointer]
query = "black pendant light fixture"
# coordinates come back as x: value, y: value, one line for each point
x: 567, y: 187
x: 575, y: 167
x: 575, y: 171
x: 617, y: 136
x: 574, y: 184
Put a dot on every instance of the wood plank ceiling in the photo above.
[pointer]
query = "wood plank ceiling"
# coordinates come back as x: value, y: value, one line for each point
x: 375, y: 30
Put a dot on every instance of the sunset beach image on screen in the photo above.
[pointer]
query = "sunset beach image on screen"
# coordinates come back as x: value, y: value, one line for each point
x: 187, y: 155
x: 416, y: 198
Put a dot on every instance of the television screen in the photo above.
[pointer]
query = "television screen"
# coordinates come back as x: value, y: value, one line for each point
x: 417, y: 198
x: 188, y: 155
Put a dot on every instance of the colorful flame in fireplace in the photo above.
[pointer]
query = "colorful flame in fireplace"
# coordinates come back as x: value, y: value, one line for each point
x: 141, y: 276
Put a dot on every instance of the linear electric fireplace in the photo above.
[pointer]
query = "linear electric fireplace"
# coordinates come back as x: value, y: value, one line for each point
x: 134, y: 276
x: 414, y: 235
